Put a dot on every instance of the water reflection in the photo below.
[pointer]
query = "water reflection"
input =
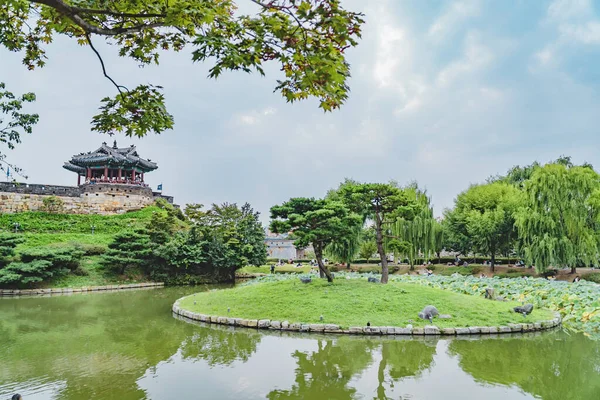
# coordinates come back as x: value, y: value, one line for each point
x: 127, y: 345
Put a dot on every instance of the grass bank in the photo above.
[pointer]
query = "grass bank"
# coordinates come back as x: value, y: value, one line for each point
x: 355, y: 302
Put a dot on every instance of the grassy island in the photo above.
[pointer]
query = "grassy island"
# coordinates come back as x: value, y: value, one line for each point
x: 355, y: 302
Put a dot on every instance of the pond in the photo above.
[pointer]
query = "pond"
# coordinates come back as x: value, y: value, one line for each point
x: 127, y: 345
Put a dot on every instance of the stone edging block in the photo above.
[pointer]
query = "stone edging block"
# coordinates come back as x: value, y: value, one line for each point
x: 35, y: 292
x: 367, y: 330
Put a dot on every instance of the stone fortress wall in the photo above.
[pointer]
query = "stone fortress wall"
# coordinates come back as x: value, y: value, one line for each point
x: 104, y: 199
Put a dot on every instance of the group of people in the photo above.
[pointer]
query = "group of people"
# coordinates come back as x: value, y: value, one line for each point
x: 124, y: 180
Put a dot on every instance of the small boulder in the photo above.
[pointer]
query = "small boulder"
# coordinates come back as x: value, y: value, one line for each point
x: 305, y: 280
x: 372, y: 279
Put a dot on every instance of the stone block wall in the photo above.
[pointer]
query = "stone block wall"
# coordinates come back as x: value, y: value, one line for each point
x: 104, y: 199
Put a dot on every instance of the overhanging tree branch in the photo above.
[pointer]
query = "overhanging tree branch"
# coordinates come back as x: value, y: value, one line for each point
x: 119, y: 87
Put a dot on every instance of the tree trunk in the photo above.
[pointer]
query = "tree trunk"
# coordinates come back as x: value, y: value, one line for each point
x: 381, y: 251
x: 347, y: 265
x: 323, y: 271
x: 493, y: 260
x: 439, y: 257
x: 574, y: 270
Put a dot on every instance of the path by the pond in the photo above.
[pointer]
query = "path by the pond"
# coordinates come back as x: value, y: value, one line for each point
x: 127, y: 345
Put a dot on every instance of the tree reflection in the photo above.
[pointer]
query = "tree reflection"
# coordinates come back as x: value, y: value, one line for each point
x: 326, y: 372
x: 221, y: 345
x: 549, y: 366
x: 403, y: 358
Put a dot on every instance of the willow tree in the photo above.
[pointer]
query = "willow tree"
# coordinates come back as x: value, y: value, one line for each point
x: 557, y: 225
x: 345, y: 249
x: 417, y: 234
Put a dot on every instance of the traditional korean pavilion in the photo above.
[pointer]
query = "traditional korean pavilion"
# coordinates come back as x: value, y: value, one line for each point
x: 110, y: 165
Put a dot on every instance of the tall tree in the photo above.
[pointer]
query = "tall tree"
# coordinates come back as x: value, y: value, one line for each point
x: 485, y: 215
x: 382, y: 203
x: 319, y: 222
x: 418, y: 232
x: 345, y: 249
x: 307, y: 38
x: 557, y: 226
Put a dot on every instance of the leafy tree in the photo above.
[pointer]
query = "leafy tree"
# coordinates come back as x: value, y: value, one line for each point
x: 18, y: 122
x: 307, y: 38
x: 557, y: 225
x: 383, y: 204
x: 127, y: 250
x: 235, y: 236
x: 319, y: 222
x: 483, y: 216
x: 367, y: 249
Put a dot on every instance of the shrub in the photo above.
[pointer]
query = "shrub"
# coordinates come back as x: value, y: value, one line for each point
x: 52, y: 204
x: 67, y: 257
x: 93, y: 249
x: 128, y: 249
x: 29, y: 272
x: 8, y: 242
x: 512, y: 274
x: 464, y: 271
x: 593, y: 277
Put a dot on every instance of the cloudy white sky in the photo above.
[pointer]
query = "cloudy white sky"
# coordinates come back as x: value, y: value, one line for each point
x: 443, y: 92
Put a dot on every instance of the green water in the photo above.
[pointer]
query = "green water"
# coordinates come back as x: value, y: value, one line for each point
x: 127, y: 345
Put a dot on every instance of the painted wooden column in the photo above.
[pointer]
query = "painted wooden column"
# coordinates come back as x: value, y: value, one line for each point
x: 105, y: 172
x: 89, y: 173
x: 133, y: 175
x: 78, y: 179
x: 142, y: 177
x: 119, y: 174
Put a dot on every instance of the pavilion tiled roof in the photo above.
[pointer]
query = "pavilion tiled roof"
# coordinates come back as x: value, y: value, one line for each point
x: 126, y: 157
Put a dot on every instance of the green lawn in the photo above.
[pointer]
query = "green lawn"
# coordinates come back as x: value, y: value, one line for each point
x: 354, y: 303
x: 266, y: 269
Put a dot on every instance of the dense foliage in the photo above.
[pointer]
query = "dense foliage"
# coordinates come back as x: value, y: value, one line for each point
x: 558, y: 225
x: 40, y: 263
x: 381, y: 203
x: 482, y: 219
x: 214, y: 244
x: 308, y: 40
x: 316, y: 222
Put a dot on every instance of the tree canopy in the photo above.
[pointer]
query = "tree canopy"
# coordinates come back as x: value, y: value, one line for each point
x: 307, y: 38
x: 382, y: 203
x: 483, y: 218
x: 316, y: 222
x: 558, y: 225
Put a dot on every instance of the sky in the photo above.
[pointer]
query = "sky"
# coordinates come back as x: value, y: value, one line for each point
x: 446, y: 93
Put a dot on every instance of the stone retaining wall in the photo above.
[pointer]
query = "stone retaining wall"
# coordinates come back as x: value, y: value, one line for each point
x: 34, y: 292
x: 366, y: 330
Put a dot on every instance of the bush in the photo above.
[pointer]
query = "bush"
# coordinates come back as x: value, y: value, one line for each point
x: 512, y: 274
x: 67, y: 257
x: 464, y: 271
x: 8, y: 242
x: 53, y: 204
x: 593, y: 277
x: 29, y: 272
x: 93, y: 249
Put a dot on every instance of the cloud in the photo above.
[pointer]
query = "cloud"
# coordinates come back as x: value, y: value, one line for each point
x: 455, y: 15
x: 476, y: 56
x: 588, y: 33
x: 437, y: 96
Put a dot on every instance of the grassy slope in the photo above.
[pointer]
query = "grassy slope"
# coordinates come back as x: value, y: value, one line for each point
x: 44, y: 229
x: 354, y: 303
